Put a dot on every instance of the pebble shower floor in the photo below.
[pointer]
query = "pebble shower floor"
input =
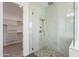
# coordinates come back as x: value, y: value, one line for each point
x: 46, y: 52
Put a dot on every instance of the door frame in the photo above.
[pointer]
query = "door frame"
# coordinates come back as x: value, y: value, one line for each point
x: 1, y: 29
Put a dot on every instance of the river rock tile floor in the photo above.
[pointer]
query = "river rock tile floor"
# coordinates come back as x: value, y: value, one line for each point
x: 45, y: 52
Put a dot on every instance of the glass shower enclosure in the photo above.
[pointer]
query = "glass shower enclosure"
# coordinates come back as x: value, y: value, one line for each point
x: 53, y: 28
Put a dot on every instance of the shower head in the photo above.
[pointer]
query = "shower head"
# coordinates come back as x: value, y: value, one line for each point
x: 50, y: 3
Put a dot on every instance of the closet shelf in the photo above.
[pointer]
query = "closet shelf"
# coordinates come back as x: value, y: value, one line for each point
x: 20, y: 21
x: 19, y: 32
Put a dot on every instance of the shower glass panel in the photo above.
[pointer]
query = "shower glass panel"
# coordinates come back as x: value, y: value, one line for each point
x: 52, y: 28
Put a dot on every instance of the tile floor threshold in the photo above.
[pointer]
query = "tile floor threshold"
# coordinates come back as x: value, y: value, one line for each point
x: 32, y: 55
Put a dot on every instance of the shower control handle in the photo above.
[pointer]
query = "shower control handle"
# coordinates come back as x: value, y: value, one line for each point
x: 40, y: 31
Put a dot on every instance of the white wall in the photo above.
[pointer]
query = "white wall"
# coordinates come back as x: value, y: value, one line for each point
x: 1, y: 30
x: 25, y: 28
x: 59, y: 34
x: 77, y: 21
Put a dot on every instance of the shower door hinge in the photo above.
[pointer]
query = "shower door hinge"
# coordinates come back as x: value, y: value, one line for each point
x: 32, y: 48
x: 32, y: 13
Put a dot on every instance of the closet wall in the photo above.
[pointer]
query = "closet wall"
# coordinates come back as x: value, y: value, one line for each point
x: 12, y: 18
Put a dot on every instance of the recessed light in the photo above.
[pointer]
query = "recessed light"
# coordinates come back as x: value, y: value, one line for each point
x: 20, y: 6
